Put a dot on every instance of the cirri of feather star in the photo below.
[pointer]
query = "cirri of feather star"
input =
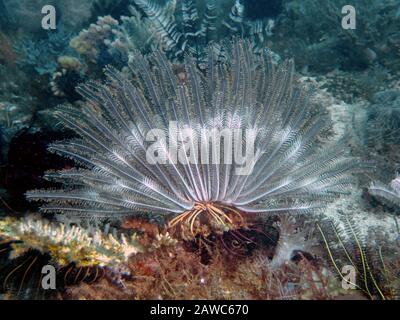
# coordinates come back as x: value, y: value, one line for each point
x: 159, y: 143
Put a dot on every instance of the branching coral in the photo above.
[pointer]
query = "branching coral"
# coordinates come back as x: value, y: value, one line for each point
x: 90, y: 42
x: 125, y: 174
x: 79, y: 255
x: 110, y: 7
x: 42, y: 54
x: 67, y: 244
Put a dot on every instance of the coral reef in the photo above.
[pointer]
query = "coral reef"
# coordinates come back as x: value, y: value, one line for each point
x: 178, y: 274
x: 177, y: 28
x: 372, y: 257
x: 355, y: 87
x: 322, y: 45
x: 42, y: 55
x: 287, y: 173
x: 120, y: 222
x: 90, y: 42
x: 67, y: 244
x: 80, y: 255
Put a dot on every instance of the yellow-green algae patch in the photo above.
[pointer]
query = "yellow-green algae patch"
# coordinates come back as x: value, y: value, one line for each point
x: 68, y: 244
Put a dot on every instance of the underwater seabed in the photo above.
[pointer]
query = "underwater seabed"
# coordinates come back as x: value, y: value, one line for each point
x: 91, y: 208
